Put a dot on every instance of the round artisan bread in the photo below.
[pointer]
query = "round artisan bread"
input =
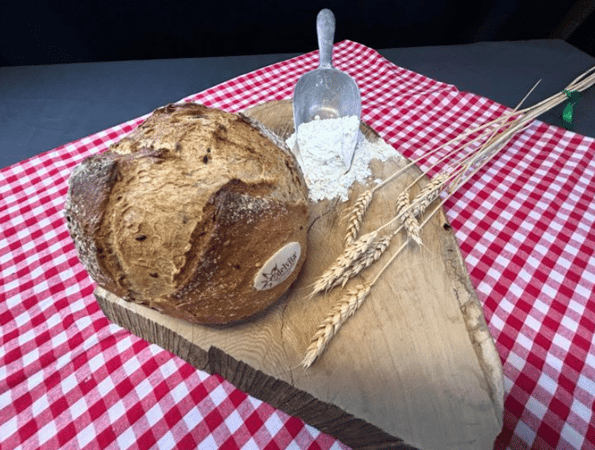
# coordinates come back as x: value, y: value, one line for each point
x: 198, y: 213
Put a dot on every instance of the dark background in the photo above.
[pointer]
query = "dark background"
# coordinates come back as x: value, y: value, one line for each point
x: 55, y: 32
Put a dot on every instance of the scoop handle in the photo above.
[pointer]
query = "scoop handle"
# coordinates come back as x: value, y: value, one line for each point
x: 325, y: 30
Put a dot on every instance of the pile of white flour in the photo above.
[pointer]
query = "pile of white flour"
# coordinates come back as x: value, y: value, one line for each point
x: 321, y: 144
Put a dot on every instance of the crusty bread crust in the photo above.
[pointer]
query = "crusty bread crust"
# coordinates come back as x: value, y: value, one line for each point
x: 182, y: 214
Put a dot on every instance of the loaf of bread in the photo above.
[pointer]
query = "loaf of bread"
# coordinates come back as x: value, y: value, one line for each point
x: 198, y: 213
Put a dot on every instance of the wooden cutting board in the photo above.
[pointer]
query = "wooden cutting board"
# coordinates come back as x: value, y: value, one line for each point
x: 416, y: 362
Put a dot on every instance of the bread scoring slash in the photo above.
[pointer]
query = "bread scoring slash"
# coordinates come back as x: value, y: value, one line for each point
x: 198, y: 213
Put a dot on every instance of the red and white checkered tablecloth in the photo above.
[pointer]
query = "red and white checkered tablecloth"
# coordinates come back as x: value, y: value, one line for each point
x: 525, y: 224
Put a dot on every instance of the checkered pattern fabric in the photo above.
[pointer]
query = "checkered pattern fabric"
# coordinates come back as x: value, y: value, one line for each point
x: 525, y: 224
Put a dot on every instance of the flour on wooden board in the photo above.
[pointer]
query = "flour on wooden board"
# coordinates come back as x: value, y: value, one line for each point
x: 321, y: 145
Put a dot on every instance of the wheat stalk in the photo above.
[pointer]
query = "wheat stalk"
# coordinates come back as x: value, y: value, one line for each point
x: 412, y: 227
x: 360, y: 207
x: 494, y: 141
x: 429, y: 193
x: 328, y: 279
x: 350, y: 254
x: 402, y: 201
x: 339, y: 314
x: 370, y: 256
x: 485, y: 138
x: 408, y: 220
x: 354, y: 298
x: 356, y: 216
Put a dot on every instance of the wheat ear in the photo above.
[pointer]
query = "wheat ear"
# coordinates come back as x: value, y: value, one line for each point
x: 344, y: 309
x: 356, y: 216
x: 402, y: 201
x: 370, y: 256
x: 412, y: 227
x: 351, y: 253
x: 408, y: 220
x: 429, y: 193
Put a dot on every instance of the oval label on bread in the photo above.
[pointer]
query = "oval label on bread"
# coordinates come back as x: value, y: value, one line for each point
x: 276, y: 270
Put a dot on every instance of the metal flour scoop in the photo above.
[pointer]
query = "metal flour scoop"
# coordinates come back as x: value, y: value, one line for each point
x: 326, y: 92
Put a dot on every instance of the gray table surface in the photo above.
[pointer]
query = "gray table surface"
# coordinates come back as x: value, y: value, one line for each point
x: 43, y: 107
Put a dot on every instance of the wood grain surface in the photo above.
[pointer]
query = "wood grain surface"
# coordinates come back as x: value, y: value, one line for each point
x: 417, y: 360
